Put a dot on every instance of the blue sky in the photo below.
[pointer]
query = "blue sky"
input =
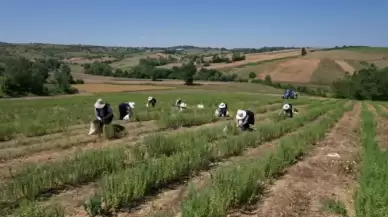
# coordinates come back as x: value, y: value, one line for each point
x: 227, y: 23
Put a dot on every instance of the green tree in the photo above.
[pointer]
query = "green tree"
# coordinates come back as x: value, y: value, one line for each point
x: 268, y: 80
x: 303, y: 51
x: 188, y: 72
x: 252, y: 75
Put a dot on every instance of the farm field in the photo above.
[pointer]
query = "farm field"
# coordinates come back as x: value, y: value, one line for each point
x: 318, y: 67
x: 190, y: 163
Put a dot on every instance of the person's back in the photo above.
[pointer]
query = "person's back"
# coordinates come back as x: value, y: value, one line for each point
x: 288, y: 110
x: 151, y: 101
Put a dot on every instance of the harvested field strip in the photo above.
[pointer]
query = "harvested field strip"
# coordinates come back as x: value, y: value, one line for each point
x: 372, y: 195
x: 236, y: 185
x: 99, y: 162
x: 327, y: 72
x: 35, y: 180
x: 169, y: 199
x: 120, y: 190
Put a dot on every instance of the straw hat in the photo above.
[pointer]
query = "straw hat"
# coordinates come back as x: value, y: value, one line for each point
x: 99, y: 104
x: 132, y: 104
x: 286, y: 106
x: 241, y: 114
x: 222, y: 105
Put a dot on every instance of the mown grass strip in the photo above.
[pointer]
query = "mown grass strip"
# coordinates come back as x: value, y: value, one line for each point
x: 124, y: 188
x: 36, y: 180
x: 372, y: 194
x: 235, y: 185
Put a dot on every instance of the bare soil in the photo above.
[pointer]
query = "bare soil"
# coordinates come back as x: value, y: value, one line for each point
x: 295, y: 70
x: 318, y: 177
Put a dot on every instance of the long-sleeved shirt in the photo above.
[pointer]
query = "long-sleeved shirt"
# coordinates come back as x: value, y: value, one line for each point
x: 103, y: 112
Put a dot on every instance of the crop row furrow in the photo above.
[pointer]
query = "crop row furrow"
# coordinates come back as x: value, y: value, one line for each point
x: 111, y: 159
x: 372, y: 194
x: 126, y: 187
x: 233, y: 186
x: 46, y: 152
x: 84, y: 167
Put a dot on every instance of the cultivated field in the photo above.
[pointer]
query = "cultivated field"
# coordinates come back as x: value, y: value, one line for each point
x: 192, y: 164
x: 318, y: 67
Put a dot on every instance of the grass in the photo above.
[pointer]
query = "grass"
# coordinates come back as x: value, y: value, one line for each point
x: 335, y: 206
x: 372, y: 195
x: 327, y: 72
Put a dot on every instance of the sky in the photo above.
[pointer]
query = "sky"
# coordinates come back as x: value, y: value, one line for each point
x: 215, y: 23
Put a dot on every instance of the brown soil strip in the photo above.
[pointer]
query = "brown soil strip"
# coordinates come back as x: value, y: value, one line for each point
x: 318, y: 177
x: 169, y: 200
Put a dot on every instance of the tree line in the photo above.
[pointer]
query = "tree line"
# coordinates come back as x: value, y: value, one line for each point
x: 21, y: 77
x: 148, y: 70
x: 370, y: 83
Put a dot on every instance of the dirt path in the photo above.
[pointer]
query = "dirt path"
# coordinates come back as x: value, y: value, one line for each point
x: 169, y: 200
x: 318, y: 177
x: 345, y: 66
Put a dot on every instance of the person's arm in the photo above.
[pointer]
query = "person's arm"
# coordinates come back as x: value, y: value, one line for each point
x: 245, y: 120
x: 110, y: 113
x: 96, y: 114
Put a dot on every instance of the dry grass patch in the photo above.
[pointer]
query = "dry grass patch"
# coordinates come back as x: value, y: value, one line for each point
x: 111, y: 88
x: 327, y: 71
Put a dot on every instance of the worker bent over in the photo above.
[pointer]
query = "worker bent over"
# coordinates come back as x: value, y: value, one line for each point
x: 244, y: 119
x: 222, y: 110
x: 151, y: 102
x: 104, y: 114
x: 125, y: 110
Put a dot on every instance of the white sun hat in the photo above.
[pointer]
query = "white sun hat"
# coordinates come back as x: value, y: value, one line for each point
x: 99, y: 104
x: 150, y: 98
x: 183, y: 105
x: 286, y: 106
x: 241, y: 114
x: 200, y: 106
x: 221, y: 105
x: 132, y: 104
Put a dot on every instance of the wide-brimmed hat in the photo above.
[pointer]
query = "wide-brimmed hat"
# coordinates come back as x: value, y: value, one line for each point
x: 183, y: 105
x: 132, y: 104
x: 99, y: 104
x: 150, y: 98
x: 241, y: 114
x: 221, y: 105
x: 286, y: 106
